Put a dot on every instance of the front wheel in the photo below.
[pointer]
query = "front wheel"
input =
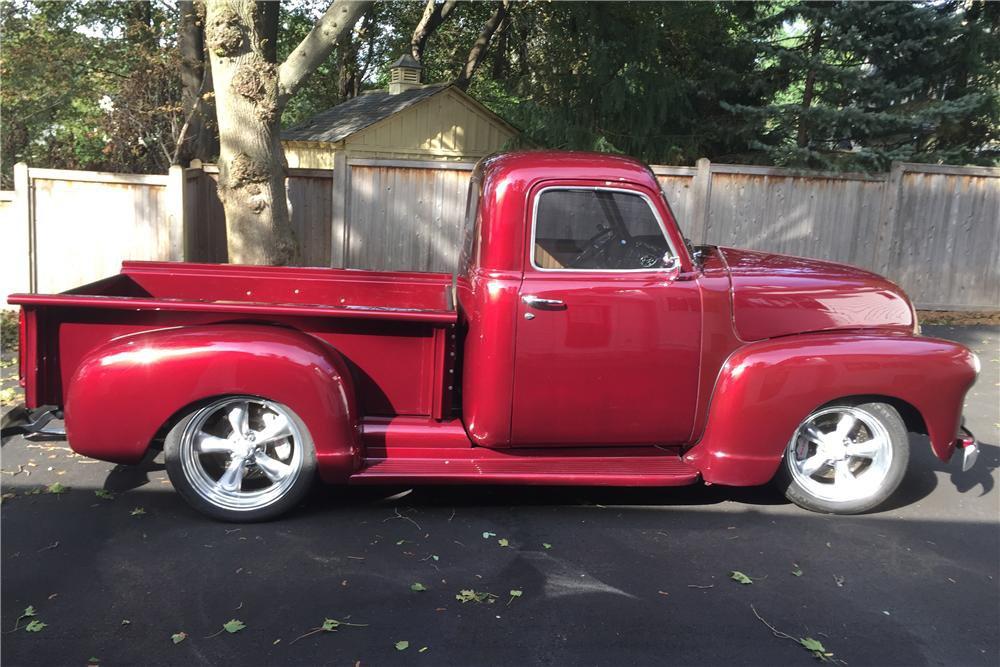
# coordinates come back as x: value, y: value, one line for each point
x: 240, y: 458
x: 845, y: 459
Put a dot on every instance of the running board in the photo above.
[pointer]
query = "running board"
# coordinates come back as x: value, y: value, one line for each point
x: 583, y: 470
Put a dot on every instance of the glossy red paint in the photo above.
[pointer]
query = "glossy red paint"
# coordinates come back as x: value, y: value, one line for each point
x: 651, y: 377
x: 777, y: 295
x: 765, y: 389
x: 126, y: 390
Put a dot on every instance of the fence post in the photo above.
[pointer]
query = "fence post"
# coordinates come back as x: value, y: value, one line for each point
x: 701, y: 194
x: 888, y: 212
x: 176, y: 187
x: 338, y: 222
x: 24, y: 225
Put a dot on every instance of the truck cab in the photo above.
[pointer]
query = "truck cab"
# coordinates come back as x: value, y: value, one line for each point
x: 582, y: 303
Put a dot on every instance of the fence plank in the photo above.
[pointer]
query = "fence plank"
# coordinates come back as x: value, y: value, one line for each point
x: 934, y: 229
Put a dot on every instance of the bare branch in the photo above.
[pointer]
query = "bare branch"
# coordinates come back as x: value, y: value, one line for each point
x: 317, y: 45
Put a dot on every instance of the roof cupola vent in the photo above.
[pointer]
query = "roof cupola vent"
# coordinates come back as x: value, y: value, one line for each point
x: 404, y: 74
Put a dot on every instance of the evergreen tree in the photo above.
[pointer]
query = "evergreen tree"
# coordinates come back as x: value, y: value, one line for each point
x: 860, y: 84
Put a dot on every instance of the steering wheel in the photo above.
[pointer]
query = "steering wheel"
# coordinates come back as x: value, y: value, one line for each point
x: 596, y: 245
x: 616, y: 252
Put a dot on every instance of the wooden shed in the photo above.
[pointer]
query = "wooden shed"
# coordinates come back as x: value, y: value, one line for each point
x: 407, y: 121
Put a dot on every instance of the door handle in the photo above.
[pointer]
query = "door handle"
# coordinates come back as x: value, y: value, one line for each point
x: 543, y: 304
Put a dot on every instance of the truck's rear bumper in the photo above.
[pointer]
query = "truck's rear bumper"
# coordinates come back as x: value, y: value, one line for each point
x: 33, y: 424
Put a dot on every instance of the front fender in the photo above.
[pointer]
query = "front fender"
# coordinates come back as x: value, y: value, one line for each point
x: 766, y: 389
x: 126, y: 390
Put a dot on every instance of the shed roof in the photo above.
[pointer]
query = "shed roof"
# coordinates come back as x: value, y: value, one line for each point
x: 339, y: 122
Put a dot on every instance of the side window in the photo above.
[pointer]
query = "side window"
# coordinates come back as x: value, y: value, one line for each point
x: 592, y: 229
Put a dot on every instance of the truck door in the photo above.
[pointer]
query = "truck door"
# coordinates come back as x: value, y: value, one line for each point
x: 608, y: 340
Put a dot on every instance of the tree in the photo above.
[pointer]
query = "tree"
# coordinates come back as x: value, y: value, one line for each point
x: 856, y: 85
x: 250, y: 94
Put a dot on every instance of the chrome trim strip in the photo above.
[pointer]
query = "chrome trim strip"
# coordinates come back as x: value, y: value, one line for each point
x: 649, y: 202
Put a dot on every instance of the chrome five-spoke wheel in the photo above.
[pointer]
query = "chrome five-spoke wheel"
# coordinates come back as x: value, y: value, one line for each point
x: 846, y: 458
x: 240, y: 458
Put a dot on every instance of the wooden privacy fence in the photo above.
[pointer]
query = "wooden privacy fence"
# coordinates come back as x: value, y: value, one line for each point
x: 933, y: 229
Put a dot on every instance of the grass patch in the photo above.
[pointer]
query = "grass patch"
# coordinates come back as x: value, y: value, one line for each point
x: 957, y: 317
x: 9, y: 338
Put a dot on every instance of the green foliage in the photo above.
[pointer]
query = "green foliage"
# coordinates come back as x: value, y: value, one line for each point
x: 9, y: 332
x: 88, y: 86
x: 856, y: 85
x: 837, y: 85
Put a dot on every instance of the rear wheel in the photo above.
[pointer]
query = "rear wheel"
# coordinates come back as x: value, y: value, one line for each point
x: 240, y: 458
x: 845, y: 459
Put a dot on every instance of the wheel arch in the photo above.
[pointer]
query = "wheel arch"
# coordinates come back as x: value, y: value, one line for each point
x: 151, y: 379
x: 766, y: 389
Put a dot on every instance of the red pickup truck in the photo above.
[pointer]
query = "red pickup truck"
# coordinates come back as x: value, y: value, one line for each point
x: 581, y: 340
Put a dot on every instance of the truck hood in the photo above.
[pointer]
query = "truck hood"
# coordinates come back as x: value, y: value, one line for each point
x: 776, y: 295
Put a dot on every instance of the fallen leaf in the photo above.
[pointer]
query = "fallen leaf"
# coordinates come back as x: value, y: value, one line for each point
x: 104, y: 493
x: 137, y: 511
x: 797, y: 572
x: 423, y: 649
x: 488, y: 535
x: 35, y: 626
x: 125, y: 621
x: 418, y: 587
x: 739, y: 577
x: 330, y: 625
x: 814, y: 645
x: 234, y: 626
x: 56, y: 488
x: 546, y: 545
x: 503, y: 542
x: 838, y: 580
x: 469, y: 595
x: 402, y: 645
x: 178, y: 637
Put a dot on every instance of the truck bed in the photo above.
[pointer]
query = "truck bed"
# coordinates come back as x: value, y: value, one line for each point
x: 235, y: 288
x: 381, y: 322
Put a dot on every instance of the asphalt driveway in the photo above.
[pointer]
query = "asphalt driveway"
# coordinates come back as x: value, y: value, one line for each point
x: 606, y: 576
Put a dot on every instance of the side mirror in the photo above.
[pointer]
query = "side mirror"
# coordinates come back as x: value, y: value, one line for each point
x: 671, y: 265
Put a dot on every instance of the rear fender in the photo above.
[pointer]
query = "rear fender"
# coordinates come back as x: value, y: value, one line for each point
x: 124, y: 392
x: 766, y: 389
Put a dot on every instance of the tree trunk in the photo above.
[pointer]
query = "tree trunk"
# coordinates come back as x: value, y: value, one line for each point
x: 809, y: 90
x: 434, y: 15
x: 250, y: 93
x: 198, y: 138
x: 478, y: 50
x: 251, y: 161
